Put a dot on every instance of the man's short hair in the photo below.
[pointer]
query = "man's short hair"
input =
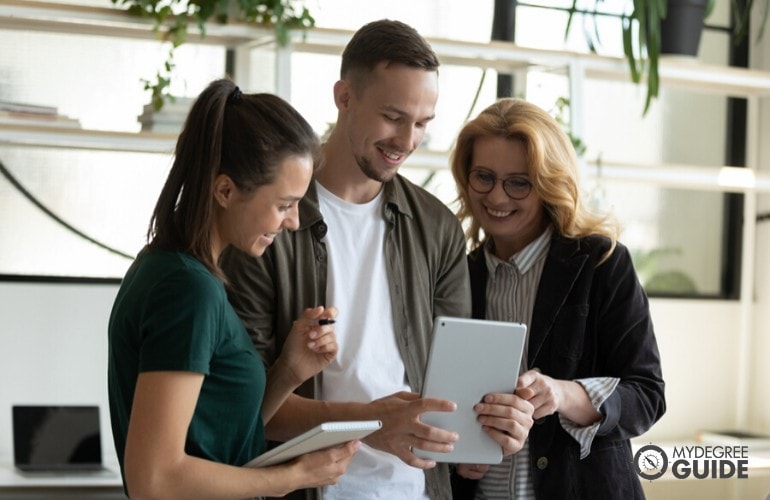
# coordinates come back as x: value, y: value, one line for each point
x: 385, y: 40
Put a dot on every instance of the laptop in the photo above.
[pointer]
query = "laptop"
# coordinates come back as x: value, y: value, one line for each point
x: 57, y: 439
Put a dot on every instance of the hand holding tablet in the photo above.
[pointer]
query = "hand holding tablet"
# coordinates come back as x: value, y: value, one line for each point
x: 320, y: 437
x: 468, y: 359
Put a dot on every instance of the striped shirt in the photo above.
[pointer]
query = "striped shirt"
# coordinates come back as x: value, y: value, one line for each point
x: 511, y: 291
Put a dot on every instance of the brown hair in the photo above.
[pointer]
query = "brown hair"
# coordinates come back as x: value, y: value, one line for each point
x: 246, y: 137
x: 385, y: 40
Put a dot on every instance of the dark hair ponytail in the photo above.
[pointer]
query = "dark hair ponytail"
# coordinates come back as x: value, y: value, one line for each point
x: 245, y: 136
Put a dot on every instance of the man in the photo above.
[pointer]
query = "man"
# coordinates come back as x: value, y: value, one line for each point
x: 386, y: 253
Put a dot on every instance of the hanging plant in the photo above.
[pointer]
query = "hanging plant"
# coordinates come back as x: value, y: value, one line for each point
x: 171, y: 19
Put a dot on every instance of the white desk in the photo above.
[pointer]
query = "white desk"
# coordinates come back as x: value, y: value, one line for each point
x: 16, y: 485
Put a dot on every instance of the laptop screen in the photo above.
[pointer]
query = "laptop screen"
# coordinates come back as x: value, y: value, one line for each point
x: 56, y: 438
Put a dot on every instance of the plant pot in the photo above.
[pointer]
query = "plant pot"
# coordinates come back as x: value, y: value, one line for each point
x: 681, y: 30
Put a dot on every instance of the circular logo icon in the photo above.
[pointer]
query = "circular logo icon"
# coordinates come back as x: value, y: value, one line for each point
x: 651, y: 462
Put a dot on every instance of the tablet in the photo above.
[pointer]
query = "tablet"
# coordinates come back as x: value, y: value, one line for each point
x: 468, y: 359
x: 320, y: 437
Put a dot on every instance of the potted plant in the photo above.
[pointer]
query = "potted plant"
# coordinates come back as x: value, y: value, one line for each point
x: 171, y: 19
x: 644, y: 38
x: 742, y: 15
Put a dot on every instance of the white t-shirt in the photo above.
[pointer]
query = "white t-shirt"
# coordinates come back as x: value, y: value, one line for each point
x: 368, y: 365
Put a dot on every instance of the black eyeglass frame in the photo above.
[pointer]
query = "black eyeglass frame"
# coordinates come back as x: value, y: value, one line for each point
x: 507, y: 186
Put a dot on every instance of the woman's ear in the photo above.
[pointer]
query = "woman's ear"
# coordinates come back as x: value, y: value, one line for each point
x: 224, y: 190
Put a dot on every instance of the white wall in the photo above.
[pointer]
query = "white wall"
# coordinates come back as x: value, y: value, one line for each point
x: 53, y: 349
x: 759, y: 408
x: 53, y: 345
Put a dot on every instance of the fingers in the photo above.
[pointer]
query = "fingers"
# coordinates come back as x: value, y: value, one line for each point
x: 472, y: 471
x: 346, y: 451
x: 325, y: 467
x: 507, y: 419
x: 320, y: 337
x: 402, y: 430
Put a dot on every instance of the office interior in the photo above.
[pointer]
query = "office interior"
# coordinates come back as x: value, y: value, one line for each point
x: 689, y: 181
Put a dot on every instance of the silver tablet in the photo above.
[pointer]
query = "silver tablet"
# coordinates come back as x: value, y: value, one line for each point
x: 468, y: 359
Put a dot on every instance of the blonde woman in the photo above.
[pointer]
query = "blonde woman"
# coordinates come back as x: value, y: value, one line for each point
x: 540, y: 257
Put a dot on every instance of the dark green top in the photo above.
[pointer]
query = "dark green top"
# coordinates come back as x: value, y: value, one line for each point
x: 172, y: 314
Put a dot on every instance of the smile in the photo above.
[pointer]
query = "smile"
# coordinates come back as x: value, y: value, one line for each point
x: 498, y: 213
x: 392, y: 155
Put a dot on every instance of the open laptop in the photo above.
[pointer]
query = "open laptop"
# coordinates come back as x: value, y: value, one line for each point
x: 57, y: 439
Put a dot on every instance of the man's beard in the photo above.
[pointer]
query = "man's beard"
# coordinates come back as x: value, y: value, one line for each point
x: 366, y: 167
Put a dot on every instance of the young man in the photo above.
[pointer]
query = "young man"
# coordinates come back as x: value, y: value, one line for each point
x: 386, y: 253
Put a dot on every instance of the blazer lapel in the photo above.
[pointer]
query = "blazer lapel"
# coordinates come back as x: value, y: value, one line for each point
x: 562, y: 267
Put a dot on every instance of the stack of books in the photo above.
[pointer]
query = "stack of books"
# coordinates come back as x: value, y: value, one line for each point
x: 15, y: 113
x: 169, y: 119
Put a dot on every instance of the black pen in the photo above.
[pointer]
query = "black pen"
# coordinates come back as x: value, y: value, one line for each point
x: 326, y: 321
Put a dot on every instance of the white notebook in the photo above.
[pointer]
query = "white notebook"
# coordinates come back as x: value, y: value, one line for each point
x: 320, y: 437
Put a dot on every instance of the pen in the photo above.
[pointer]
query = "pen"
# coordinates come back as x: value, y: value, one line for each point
x: 325, y: 321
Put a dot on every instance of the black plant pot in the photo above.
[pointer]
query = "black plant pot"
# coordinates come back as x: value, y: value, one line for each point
x: 680, y: 31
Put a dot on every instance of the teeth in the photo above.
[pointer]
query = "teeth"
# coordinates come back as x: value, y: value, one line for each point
x: 496, y: 213
x: 391, y: 156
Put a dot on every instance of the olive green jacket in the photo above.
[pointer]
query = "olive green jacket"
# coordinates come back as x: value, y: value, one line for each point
x: 427, y: 274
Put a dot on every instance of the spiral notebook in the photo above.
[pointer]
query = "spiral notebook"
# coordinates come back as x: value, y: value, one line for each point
x: 320, y: 437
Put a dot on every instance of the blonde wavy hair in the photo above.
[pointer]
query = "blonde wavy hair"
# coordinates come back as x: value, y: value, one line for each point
x: 552, y: 164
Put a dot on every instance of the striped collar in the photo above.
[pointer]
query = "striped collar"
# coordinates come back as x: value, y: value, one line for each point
x: 522, y: 260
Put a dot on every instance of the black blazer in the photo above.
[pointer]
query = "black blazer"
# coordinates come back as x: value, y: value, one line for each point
x: 589, y: 320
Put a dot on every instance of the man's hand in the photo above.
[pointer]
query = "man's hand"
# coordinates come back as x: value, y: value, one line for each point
x: 402, y: 429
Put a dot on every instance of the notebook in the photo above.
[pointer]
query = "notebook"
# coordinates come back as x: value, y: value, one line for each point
x: 57, y: 439
x: 323, y: 436
x: 468, y: 359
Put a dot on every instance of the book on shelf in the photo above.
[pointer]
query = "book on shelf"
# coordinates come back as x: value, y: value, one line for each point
x: 169, y: 119
x: 732, y: 437
x: 24, y: 118
x: 31, y: 109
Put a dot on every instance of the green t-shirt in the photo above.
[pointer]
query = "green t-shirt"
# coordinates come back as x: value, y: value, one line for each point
x: 172, y: 314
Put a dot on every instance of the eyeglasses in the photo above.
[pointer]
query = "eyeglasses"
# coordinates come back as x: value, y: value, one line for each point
x: 484, y: 181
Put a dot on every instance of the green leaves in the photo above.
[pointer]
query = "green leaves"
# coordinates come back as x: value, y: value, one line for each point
x: 171, y: 19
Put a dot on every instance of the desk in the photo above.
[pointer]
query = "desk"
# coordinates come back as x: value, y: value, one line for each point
x: 16, y: 485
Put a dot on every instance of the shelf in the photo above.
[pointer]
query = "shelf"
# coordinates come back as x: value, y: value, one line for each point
x: 507, y: 57
x: 497, y: 55
x: 727, y: 179
x: 54, y: 17
x: 676, y: 176
x: 31, y: 15
x: 75, y: 138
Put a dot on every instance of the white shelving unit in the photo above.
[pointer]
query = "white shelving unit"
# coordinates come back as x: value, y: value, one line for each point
x: 501, y: 56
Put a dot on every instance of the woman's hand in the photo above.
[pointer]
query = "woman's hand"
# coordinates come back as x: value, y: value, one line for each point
x: 323, y: 468
x: 507, y: 419
x: 549, y: 396
x: 309, y: 347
